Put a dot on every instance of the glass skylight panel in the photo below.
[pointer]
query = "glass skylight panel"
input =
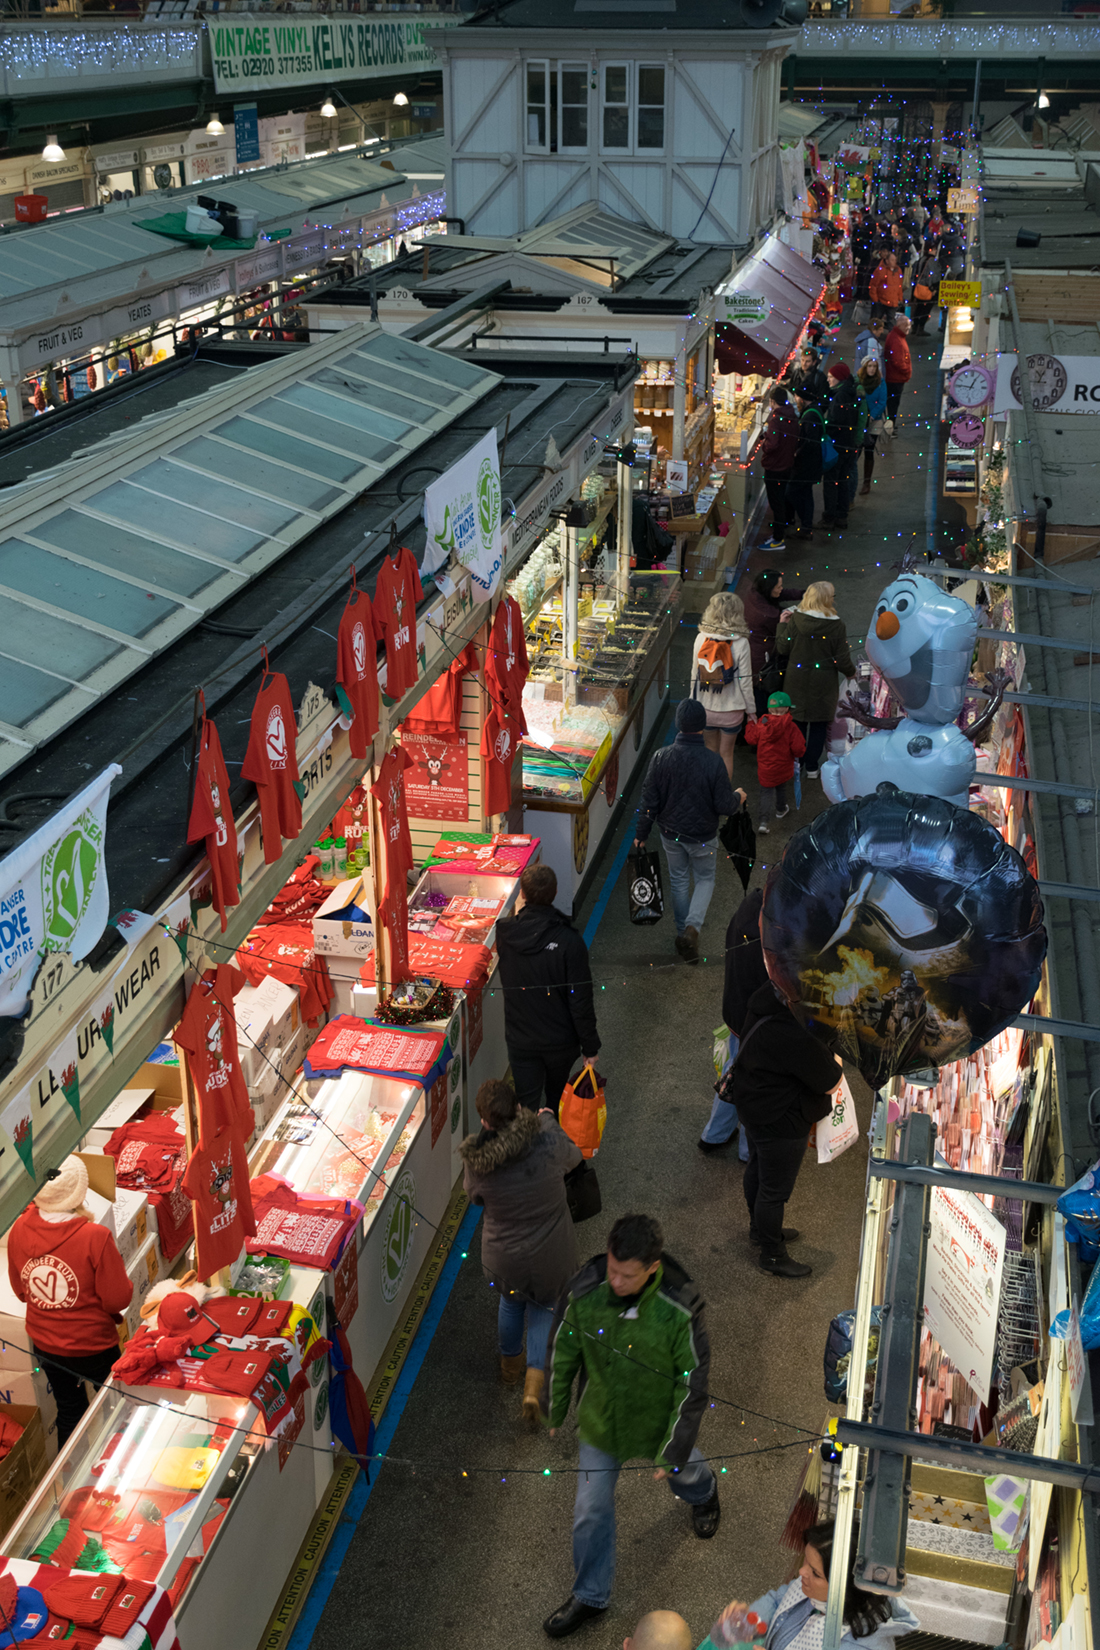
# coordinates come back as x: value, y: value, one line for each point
x: 26, y: 692
x: 216, y: 498
x: 286, y: 449
x: 114, y: 548
x: 180, y: 525
x: 70, y: 588
x: 305, y: 492
x: 342, y: 409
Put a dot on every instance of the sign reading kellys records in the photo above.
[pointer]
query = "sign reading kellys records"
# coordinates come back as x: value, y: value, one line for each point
x: 743, y: 308
x: 250, y: 54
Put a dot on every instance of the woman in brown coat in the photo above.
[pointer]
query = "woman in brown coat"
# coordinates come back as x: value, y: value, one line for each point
x: 515, y: 1168
x: 815, y: 645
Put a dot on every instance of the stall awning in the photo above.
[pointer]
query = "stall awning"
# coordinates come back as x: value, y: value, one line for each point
x: 789, y: 287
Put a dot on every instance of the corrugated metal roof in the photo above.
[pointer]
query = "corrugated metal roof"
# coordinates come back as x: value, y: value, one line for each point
x: 586, y: 232
x: 108, y: 561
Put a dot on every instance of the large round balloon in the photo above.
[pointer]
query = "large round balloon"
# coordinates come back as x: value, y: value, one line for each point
x: 905, y: 929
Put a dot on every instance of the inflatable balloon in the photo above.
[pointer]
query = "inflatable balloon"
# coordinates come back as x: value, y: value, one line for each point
x: 904, y: 930
x: 922, y: 642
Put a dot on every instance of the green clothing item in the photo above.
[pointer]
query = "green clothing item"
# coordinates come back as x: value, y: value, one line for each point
x: 643, y: 1367
x: 817, y: 654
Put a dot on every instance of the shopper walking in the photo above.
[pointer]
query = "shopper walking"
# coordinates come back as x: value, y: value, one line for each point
x: 899, y: 369
x: 807, y: 380
x: 779, y: 745
x: 514, y: 1169
x: 721, y: 673
x: 842, y: 426
x: 809, y: 465
x: 926, y: 288
x: 686, y: 792
x: 777, y: 452
x: 815, y: 644
x: 870, y: 340
x: 887, y: 287
x: 549, y: 1018
x: 764, y: 602
x: 632, y: 1327
x: 873, y: 388
x: 782, y: 1083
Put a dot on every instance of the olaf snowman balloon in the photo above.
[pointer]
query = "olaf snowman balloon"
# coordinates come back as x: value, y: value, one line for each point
x: 922, y: 641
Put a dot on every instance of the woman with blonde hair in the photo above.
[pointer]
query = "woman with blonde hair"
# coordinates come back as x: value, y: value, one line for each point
x: 721, y: 673
x: 814, y: 642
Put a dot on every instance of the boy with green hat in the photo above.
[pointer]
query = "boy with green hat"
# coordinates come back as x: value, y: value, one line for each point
x: 779, y: 744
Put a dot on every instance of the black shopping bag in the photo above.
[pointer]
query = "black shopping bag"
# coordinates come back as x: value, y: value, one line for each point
x: 739, y: 840
x: 644, y: 887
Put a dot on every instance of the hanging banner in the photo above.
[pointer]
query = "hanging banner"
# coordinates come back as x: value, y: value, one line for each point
x: 1059, y: 383
x: 438, y: 784
x: 251, y: 54
x: 962, y: 1287
x: 53, y: 891
x: 462, y: 516
x: 743, y: 308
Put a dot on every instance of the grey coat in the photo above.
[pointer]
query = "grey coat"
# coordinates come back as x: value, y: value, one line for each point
x: 517, y: 1174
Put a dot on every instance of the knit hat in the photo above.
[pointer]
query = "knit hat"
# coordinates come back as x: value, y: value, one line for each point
x: 868, y: 361
x: 690, y: 716
x: 779, y: 701
x: 840, y: 370
x: 65, y: 1188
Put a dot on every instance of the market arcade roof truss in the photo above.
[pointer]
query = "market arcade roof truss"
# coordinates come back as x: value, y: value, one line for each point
x: 106, y: 563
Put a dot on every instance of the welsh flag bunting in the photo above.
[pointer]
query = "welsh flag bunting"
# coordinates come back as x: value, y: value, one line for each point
x: 70, y: 1073
x: 177, y: 919
x: 105, y: 1014
x: 16, y: 1119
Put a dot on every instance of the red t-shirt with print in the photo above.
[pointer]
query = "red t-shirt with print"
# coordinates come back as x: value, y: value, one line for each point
x: 395, y: 597
x: 208, y: 1033
x: 271, y: 763
x: 440, y: 710
x: 357, y: 669
x: 389, y: 788
x: 499, y: 739
x: 211, y: 820
x: 506, y: 661
x: 216, y: 1181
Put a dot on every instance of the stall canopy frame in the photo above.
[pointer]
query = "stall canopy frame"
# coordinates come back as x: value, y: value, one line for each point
x: 792, y: 287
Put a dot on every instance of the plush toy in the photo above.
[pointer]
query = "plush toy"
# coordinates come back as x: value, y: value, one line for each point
x: 160, y: 1292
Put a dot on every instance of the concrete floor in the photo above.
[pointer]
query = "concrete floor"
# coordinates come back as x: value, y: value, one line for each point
x: 467, y: 1562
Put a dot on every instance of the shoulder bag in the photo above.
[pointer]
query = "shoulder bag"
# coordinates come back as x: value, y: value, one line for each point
x: 582, y: 1192
x: 724, y: 1089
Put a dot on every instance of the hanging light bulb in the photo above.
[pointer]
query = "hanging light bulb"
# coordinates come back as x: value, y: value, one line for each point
x: 214, y: 126
x: 53, y: 150
x: 328, y: 108
x: 1044, y: 101
x: 400, y: 99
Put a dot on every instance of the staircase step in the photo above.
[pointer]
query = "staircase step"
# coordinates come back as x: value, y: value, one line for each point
x: 943, y: 1607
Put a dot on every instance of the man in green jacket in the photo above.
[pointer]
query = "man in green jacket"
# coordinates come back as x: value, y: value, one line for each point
x: 631, y: 1325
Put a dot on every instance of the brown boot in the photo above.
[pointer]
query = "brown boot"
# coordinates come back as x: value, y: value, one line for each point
x: 511, y: 1369
x: 532, y: 1397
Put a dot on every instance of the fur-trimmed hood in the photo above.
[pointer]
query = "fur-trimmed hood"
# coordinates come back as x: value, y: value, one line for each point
x: 514, y: 1140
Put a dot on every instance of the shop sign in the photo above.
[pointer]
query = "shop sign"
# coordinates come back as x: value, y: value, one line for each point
x: 962, y: 1288
x: 462, y: 516
x: 438, y: 785
x: 263, y: 267
x: 967, y: 294
x: 53, y: 891
x: 743, y: 309
x: 1059, y: 383
x: 345, y: 1287
x: 536, y: 512
x: 246, y: 132
x: 215, y: 163
x: 962, y: 200
x: 199, y: 290
x: 40, y: 177
x: 253, y: 54
x: 397, y: 1239
x: 152, y: 152
x: 80, y: 336
x: 303, y: 249
x: 120, y: 160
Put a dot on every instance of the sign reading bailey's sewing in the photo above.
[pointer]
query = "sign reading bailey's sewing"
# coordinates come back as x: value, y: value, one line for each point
x: 462, y: 516
x: 53, y: 891
x: 253, y: 53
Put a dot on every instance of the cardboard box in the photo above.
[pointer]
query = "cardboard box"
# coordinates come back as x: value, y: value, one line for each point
x: 143, y: 1271
x: 253, y: 1016
x: 335, y: 936
x: 285, y: 1010
x: 131, y: 1221
x: 167, y: 1083
x: 25, y: 1463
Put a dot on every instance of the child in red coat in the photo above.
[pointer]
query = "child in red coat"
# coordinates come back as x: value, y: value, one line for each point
x: 779, y: 745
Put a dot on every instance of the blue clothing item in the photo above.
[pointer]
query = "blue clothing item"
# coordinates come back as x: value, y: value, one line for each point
x: 901, y: 1622
x: 720, y: 1126
x: 686, y: 791
x: 876, y: 400
x: 594, y: 1516
x: 511, y: 1312
x: 687, y: 859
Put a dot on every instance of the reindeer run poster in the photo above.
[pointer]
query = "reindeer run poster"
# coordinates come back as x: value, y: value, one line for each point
x: 438, y: 785
x: 962, y: 1286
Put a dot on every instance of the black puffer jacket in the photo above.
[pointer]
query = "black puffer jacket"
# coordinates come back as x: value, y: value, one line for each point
x: 547, y: 982
x: 808, y: 461
x: 687, y: 791
x: 784, y: 1077
x: 842, y: 418
x: 745, y: 971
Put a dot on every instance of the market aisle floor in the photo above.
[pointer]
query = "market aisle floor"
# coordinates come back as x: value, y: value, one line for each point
x: 477, y: 1561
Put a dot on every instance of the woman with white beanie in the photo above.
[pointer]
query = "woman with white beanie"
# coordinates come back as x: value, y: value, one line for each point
x: 70, y: 1276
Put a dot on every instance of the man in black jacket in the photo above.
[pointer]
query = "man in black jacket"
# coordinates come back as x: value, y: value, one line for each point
x: 807, y: 379
x: 783, y: 1083
x: 745, y: 973
x: 687, y: 791
x: 808, y: 468
x: 548, y: 1014
x: 842, y: 428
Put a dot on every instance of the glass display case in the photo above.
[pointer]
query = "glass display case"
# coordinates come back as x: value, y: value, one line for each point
x: 146, y: 1481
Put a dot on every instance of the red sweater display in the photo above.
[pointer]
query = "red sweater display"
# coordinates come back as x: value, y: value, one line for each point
x: 778, y: 743
x: 70, y: 1277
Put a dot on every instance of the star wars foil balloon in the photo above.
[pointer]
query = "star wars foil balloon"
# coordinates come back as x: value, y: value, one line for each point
x: 904, y: 930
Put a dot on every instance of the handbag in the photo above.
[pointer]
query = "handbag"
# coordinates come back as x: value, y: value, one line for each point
x: 582, y: 1192
x: 583, y: 1110
x: 647, y: 903
x: 739, y: 841
x: 922, y: 293
x: 724, y: 1089
x: 829, y: 454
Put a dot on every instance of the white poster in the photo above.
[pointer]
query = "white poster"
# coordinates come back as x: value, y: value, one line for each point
x: 462, y: 516
x: 962, y: 1286
x: 53, y: 891
x: 1059, y: 383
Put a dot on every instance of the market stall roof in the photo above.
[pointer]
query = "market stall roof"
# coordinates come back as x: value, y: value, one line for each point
x: 790, y: 286
x: 1063, y: 218
x: 109, y: 561
x: 1068, y: 445
x: 586, y: 234
x: 1027, y: 169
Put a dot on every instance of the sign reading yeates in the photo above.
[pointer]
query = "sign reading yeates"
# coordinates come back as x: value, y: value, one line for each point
x: 962, y: 1286
x: 53, y: 891
x: 251, y: 53
x: 1059, y: 383
x: 462, y: 516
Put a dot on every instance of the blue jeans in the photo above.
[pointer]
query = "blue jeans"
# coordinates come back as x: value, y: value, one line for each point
x: 594, y: 1517
x: 723, y: 1115
x: 510, y: 1315
x: 689, y: 907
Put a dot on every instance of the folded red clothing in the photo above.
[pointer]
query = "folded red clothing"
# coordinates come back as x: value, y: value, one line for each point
x: 10, y: 1434
x: 84, y: 1599
x: 248, y: 1315
x: 285, y: 951
x: 238, y: 1372
x: 464, y: 967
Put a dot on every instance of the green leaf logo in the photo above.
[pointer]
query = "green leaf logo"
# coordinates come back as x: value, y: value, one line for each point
x: 397, y: 1237
x: 69, y: 871
x: 488, y: 502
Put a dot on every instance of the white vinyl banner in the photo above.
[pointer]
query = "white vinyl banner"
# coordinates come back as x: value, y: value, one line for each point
x: 1059, y: 383
x: 962, y: 1286
x: 462, y: 516
x: 252, y: 54
x: 53, y: 891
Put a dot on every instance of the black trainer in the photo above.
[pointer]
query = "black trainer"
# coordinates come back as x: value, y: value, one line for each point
x: 716, y: 1145
x: 569, y: 1616
x: 705, y: 1518
x: 782, y: 1266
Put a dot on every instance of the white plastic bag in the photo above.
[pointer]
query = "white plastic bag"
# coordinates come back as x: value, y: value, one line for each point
x: 837, y: 1131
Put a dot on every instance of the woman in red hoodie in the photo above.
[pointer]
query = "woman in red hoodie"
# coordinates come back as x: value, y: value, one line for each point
x: 779, y: 744
x: 70, y: 1276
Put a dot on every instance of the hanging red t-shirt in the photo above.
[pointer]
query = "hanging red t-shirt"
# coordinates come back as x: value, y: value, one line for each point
x: 216, y: 1181
x: 395, y: 597
x: 351, y: 822
x: 499, y: 740
x: 212, y: 820
x: 389, y: 788
x: 506, y: 661
x: 357, y: 669
x: 208, y: 1032
x: 440, y: 710
x: 271, y: 763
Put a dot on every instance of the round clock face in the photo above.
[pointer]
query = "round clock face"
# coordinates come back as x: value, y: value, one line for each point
x: 971, y: 386
x: 967, y: 430
x: 1048, y: 380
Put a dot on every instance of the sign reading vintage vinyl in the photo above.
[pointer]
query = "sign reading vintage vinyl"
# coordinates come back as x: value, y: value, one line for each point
x: 462, y: 516
x: 1059, y: 383
x: 254, y: 53
x: 962, y: 1286
x: 53, y: 891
